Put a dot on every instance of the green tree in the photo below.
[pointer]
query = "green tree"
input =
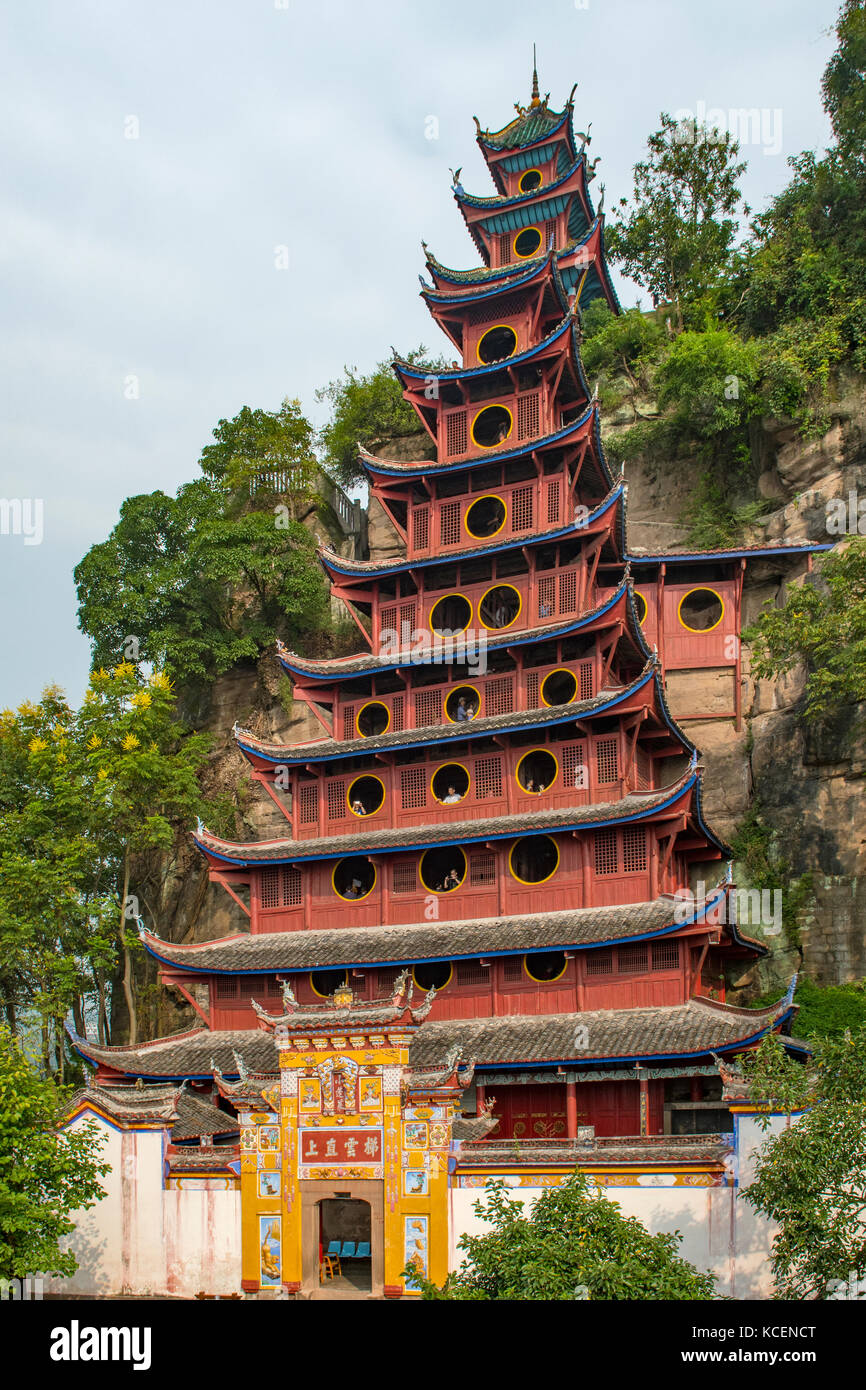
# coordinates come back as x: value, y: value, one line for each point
x: 822, y: 623
x: 575, y: 1243
x: 676, y: 238
x: 367, y: 410
x: 811, y: 1177
x: 45, y: 1173
x: 213, y: 576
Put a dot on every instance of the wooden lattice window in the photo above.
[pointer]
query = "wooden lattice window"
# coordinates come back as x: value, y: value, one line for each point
x: 404, y: 879
x: 550, y: 232
x: 643, y: 767
x: 413, y: 788
x: 227, y: 989
x: 546, y: 595
x: 386, y: 979
x: 586, y: 677
x: 553, y: 502
x: 568, y: 591
x: 606, y: 761
x: 397, y: 706
x: 456, y: 434
x: 575, y: 772
x: 504, y: 242
x: 521, y: 509
x: 349, y: 730
x: 388, y: 619
x: 308, y: 803
x: 665, y: 955
x: 532, y: 682
x: 270, y: 888
x: 513, y: 968
x: 482, y: 870
x: 499, y: 696
x: 632, y: 960
x: 421, y: 528
x: 449, y: 523
x: 428, y: 708
x: 336, y: 800
x: 471, y: 972
x: 634, y: 849
x: 527, y: 416
x: 606, y: 860
x: 599, y: 963
x: 292, y: 887
x: 488, y: 778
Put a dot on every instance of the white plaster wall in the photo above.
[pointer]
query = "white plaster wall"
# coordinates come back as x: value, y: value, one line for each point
x: 142, y: 1239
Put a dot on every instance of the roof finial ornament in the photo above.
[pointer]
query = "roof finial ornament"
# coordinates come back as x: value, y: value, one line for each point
x: 536, y: 100
x: 599, y: 212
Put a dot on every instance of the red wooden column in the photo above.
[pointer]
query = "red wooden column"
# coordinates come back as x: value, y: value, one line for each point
x: 571, y: 1109
x: 480, y: 1098
x: 644, y: 1105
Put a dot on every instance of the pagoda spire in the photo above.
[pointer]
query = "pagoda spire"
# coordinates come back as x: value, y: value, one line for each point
x: 536, y: 100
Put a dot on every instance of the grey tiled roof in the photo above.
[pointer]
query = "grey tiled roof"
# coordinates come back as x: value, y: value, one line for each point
x: 414, y: 941
x: 674, y: 1030
x: 197, y: 1116
x: 381, y: 841
x: 656, y: 1149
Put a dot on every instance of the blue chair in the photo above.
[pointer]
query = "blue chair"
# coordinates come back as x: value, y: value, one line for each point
x: 348, y: 1250
x: 363, y: 1251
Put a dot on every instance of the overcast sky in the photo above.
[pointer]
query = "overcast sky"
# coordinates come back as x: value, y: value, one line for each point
x: 148, y: 265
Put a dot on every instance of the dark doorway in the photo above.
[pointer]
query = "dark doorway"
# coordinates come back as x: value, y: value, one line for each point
x: 345, y: 1244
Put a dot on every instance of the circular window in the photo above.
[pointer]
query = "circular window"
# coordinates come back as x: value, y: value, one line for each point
x: 558, y: 687
x: 451, y: 613
x: 491, y: 426
x: 353, y: 878
x: 324, y: 982
x: 433, y: 974
x: 498, y: 342
x: 366, y: 795
x: 373, y: 718
x: 640, y: 606
x: 527, y: 242
x: 544, y: 966
x: 529, y: 180
x: 462, y: 703
x: 700, y: 610
x: 485, y: 517
x: 537, y: 771
x: 500, y: 607
x: 534, y: 859
x: 450, y: 784
x: 443, y: 870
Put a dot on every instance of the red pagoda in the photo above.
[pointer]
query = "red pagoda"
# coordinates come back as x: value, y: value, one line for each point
x: 501, y: 803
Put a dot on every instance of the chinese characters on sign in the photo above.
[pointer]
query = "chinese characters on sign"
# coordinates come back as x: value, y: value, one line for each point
x: 342, y: 1146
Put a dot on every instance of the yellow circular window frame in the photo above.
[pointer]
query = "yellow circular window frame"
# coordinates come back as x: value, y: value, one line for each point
x: 362, y: 896
x: 475, y: 691
x: 443, y: 892
x: 492, y: 329
x: 371, y: 776
x: 638, y: 599
x: 485, y: 497
x: 437, y: 770
x: 700, y: 589
x: 368, y: 704
x: 534, y: 978
x: 528, y: 754
x: 525, y: 174
x: 557, y: 671
x: 450, y: 965
x: 517, y: 614
x: 317, y: 993
x: 491, y: 405
x: 527, y: 255
x: 533, y: 883
x: 455, y: 593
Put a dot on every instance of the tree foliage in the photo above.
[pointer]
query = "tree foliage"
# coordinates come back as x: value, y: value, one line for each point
x: 367, y: 409
x: 676, y: 240
x: 821, y: 623
x: 45, y: 1173
x: 811, y: 1177
x: 575, y: 1243
x: 213, y: 576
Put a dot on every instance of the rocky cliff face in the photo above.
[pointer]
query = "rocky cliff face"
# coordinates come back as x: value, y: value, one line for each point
x: 809, y: 785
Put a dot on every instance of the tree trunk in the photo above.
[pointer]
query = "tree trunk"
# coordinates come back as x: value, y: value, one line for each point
x: 128, y: 993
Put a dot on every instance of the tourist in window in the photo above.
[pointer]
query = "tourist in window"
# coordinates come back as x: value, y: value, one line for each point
x: 359, y: 808
x: 452, y: 881
x: 452, y: 798
x: 462, y: 711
